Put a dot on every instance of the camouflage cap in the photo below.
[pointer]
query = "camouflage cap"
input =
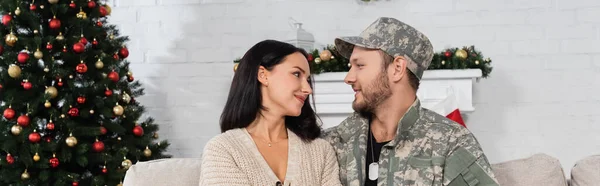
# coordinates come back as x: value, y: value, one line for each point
x: 394, y: 38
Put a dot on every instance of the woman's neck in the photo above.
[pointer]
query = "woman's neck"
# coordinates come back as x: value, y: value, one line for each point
x: 268, y: 127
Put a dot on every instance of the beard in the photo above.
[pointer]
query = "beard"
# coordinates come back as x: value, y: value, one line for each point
x: 373, y: 96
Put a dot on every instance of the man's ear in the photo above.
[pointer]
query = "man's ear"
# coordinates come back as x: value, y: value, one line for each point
x: 262, y: 76
x: 398, y: 68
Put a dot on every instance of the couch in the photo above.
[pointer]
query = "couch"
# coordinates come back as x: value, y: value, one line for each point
x: 536, y: 170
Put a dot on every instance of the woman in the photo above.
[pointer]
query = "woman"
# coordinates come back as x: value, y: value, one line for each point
x: 269, y: 130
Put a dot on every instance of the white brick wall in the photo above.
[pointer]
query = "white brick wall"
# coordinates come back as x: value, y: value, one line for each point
x: 542, y: 96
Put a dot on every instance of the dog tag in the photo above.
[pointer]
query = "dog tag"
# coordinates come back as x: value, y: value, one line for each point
x: 373, y: 171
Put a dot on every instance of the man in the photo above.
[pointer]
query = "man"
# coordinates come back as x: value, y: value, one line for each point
x: 391, y: 139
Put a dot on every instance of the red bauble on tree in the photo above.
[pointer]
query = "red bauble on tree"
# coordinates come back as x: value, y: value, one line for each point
x: 138, y: 131
x: 108, y: 92
x: 54, y: 162
x: 72, y: 5
x: 10, y: 159
x: 124, y: 52
x: 27, y: 85
x: 32, y: 7
x: 103, y: 11
x: 99, y: 23
x: 73, y: 112
x: 447, y: 54
x: 50, y: 125
x: 9, y: 113
x: 83, y: 41
x: 91, y: 4
x: 49, y: 46
x: 23, y: 120
x: 54, y: 24
x: 80, y: 99
x: 103, y: 130
x: 34, y: 137
x: 81, y: 68
x: 23, y: 57
x: 116, y: 56
x: 104, y: 170
x: 98, y: 146
x: 114, y: 76
x: 65, y: 49
x: 130, y: 79
x: 6, y: 19
x: 95, y: 42
x: 60, y: 83
x: 75, y: 183
x: 78, y: 47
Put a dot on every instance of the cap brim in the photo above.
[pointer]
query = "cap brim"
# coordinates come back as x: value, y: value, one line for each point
x: 345, y: 45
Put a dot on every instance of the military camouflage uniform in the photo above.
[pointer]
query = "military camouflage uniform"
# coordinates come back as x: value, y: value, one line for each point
x: 428, y: 149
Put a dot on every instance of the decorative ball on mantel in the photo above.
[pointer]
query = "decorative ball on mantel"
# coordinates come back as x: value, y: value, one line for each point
x: 462, y: 54
x: 325, y: 55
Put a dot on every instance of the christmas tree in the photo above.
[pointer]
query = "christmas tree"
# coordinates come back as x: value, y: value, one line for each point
x: 68, y: 97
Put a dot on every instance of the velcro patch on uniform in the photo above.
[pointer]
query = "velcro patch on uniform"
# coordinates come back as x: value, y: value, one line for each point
x: 420, y: 161
x: 458, y: 161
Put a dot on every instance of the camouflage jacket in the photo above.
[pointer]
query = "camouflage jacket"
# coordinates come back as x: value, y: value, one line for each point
x: 428, y: 149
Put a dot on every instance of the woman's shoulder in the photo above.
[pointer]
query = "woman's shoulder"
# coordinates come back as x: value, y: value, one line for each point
x: 321, y: 145
x: 224, y: 140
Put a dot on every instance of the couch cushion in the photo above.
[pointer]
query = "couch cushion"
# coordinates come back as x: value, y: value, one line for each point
x: 173, y: 171
x: 586, y: 171
x: 539, y: 169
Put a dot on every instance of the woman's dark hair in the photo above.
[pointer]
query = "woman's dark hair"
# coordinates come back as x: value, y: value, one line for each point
x: 244, y: 102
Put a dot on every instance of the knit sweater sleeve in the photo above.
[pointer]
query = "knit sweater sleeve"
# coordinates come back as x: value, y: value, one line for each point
x: 331, y: 173
x: 218, y: 165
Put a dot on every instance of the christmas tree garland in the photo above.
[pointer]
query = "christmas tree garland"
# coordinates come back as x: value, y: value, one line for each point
x: 329, y: 60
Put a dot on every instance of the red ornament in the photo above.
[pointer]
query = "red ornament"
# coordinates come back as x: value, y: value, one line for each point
x: 23, y: 57
x: 98, y: 146
x: 81, y: 100
x: 73, y: 112
x: 34, y: 137
x: 104, y: 170
x: 75, y: 183
x: 50, y: 126
x: 103, y: 130
x: 78, y: 48
x: 103, y: 11
x: 27, y: 85
x: 10, y: 159
x: 108, y: 92
x: 9, y: 113
x: 73, y: 5
x: 124, y: 52
x: 130, y: 78
x: 114, y: 76
x: 49, y: 46
x: 91, y: 4
x: 32, y: 7
x: 60, y: 83
x: 447, y: 54
x: 6, y: 19
x: 83, y: 41
x: 95, y: 42
x: 81, y: 68
x: 48, y: 139
x: 138, y: 131
x: 65, y: 49
x: 98, y: 23
x: 54, y: 24
x: 116, y: 57
x: 53, y: 162
x: 310, y: 57
x: 23, y: 120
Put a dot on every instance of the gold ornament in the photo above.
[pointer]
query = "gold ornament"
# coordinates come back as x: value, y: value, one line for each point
x: 443, y: 62
x: 119, y: 138
x: 104, y: 75
x: 81, y: 14
x: 41, y: 6
x: 91, y: 111
x: 70, y: 76
x: 53, y: 1
x: 147, y: 152
x: 460, y: 53
x: 235, y: 66
x: 476, y: 62
x: 36, y: 31
x: 38, y: 54
x: 16, y: 129
x: 46, y: 69
x: 25, y: 175
x: 129, y: 73
x: 99, y: 64
x: 47, y: 104
x: 14, y: 71
x: 71, y: 141
x: 487, y: 60
x: 52, y: 91
x: 18, y: 11
x: 155, y: 135
x: 118, y: 110
x: 111, y: 36
x: 126, y: 164
x: 108, y: 9
x: 62, y: 116
x: 11, y: 39
x: 36, y: 157
x: 126, y: 98
x: 60, y: 37
x: 325, y: 55
x: 317, y: 60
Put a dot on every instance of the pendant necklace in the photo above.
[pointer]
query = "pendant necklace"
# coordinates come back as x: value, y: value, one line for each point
x: 373, y: 167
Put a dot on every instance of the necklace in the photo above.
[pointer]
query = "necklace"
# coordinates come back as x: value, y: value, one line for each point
x: 270, y: 144
x: 374, y: 166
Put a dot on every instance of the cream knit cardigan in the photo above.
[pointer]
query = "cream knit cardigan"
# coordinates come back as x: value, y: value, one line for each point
x: 232, y: 158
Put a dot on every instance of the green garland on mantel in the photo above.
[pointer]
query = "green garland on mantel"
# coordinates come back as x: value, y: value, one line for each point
x: 467, y: 57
